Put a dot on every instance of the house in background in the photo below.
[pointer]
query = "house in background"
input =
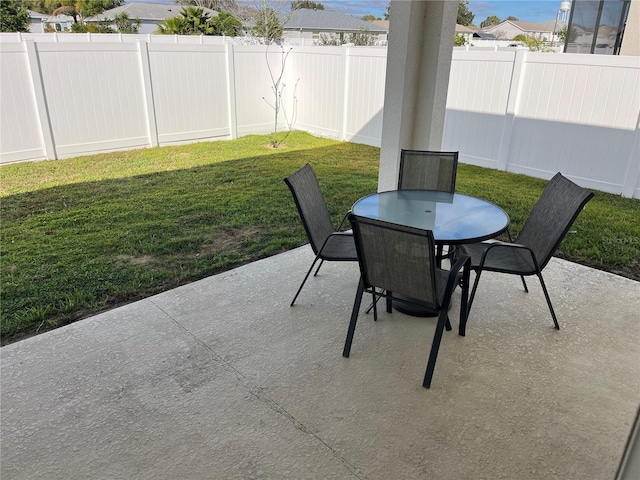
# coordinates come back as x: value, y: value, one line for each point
x: 150, y: 14
x: 466, y: 31
x: 44, y: 23
x: 36, y: 22
x: 311, y: 24
x: 508, y: 29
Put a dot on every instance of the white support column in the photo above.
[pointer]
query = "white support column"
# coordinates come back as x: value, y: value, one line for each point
x: 46, y: 129
x: 145, y: 69
x: 419, y: 55
x: 631, y: 40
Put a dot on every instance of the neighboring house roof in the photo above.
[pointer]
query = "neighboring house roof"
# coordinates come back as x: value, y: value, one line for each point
x: 308, y: 19
x: 524, y: 26
x: 533, y: 27
x: 36, y: 15
x: 607, y: 30
x: 59, y: 19
x: 381, y: 23
x: 484, y: 35
x: 551, y: 24
x: 145, y: 11
x: 43, y: 17
x: 465, y: 29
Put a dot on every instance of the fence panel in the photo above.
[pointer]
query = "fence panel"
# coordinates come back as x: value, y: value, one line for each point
x: 577, y: 114
x: 479, y: 90
x: 94, y: 96
x: 364, y: 98
x: 190, y: 92
x: 20, y: 133
x: 254, y: 88
x: 319, y: 75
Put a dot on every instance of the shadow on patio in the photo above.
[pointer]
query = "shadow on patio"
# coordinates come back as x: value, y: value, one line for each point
x: 222, y: 379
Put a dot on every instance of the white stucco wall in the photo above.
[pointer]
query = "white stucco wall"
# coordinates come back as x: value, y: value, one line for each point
x: 631, y: 40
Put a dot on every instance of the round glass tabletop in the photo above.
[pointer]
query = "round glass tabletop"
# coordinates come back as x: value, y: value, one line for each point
x: 454, y: 218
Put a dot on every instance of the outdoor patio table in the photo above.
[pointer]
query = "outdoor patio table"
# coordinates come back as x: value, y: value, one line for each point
x: 453, y: 218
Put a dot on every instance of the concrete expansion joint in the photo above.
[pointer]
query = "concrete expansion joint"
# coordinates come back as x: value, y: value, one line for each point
x: 258, y: 393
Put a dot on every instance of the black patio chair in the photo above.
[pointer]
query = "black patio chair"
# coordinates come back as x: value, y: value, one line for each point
x: 549, y: 221
x: 423, y: 170
x: 399, y: 259
x: 327, y: 243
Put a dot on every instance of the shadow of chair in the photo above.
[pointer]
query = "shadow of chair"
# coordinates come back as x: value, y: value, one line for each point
x: 545, y: 228
x: 327, y: 242
x: 400, y: 259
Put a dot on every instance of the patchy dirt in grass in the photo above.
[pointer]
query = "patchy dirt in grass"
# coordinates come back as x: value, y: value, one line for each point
x: 230, y: 238
x: 9, y: 268
x: 272, y: 147
x: 141, y: 260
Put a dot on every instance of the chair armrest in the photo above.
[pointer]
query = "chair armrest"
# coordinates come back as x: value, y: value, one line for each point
x: 344, y: 219
x: 499, y: 244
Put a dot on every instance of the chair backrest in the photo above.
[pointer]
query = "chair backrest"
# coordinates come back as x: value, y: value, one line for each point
x: 396, y: 258
x: 428, y: 170
x: 311, y: 205
x: 552, y: 216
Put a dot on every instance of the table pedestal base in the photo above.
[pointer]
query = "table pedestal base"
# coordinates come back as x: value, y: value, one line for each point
x: 414, y: 309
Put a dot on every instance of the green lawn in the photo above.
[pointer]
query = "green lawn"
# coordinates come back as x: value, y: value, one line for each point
x: 85, y: 234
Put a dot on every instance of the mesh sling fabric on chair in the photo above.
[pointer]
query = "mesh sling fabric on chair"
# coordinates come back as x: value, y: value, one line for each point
x: 425, y: 170
x: 552, y: 216
x: 401, y: 259
x: 327, y: 243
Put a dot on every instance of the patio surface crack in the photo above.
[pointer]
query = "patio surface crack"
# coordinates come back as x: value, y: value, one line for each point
x: 258, y: 393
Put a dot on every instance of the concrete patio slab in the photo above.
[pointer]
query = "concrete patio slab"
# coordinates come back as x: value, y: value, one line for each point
x: 222, y: 379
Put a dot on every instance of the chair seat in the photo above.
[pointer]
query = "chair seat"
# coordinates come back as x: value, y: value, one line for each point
x: 340, y: 247
x: 504, y: 259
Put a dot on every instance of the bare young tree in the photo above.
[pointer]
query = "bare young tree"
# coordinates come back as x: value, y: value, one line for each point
x: 267, y: 19
x: 278, y: 101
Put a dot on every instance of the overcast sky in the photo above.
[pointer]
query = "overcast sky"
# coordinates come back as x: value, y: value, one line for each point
x: 525, y: 10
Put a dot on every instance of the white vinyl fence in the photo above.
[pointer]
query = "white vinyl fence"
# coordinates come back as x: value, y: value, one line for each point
x: 532, y: 113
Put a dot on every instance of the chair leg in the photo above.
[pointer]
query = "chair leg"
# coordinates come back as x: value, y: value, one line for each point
x: 318, y: 269
x: 304, y: 281
x: 435, y: 346
x: 389, y: 302
x: 464, y: 304
x: 447, y: 325
x: 473, y: 292
x: 370, y: 307
x: 546, y: 295
x: 354, y: 320
x: 375, y: 306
